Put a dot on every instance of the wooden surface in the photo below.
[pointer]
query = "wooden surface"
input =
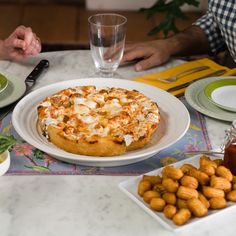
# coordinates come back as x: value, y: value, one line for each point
x: 10, y: 18
x: 67, y: 24
x: 53, y: 23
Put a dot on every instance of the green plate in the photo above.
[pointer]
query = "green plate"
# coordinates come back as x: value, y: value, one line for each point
x: 15, y: 90
x: 197, y: 99
x: 222, y: 93
x: 3, y: 82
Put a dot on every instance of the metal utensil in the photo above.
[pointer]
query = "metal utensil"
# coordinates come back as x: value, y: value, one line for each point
x: 30, y: 82
x: 212, y: 152
x: 35, y: 73
x: 215, y: 73
x: 182, y: 73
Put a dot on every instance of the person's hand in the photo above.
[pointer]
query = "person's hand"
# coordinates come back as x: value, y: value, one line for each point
x: 152, y: 53
x: 21, y: 43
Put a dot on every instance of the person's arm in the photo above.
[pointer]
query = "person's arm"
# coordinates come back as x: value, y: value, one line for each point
x: 202, y: 37
x: 153, y: 53
x: 188, y: 42
x: 20, y: 44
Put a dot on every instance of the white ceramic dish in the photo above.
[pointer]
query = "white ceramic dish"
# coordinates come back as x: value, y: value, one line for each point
x: 196, y: 98
x: 4, y: 162
x: 172, y: 111
x: 14, y: 90
x: 129, y: 187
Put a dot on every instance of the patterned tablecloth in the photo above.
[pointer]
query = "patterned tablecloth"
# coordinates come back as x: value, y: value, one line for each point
x: 27, y: 160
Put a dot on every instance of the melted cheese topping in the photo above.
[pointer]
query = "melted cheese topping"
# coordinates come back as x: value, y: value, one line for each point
x: 83, y: 112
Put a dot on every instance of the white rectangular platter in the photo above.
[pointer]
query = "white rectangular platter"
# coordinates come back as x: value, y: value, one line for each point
x: 130, y: 186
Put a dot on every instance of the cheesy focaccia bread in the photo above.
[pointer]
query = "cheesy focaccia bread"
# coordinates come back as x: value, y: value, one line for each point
x: 98, y: 122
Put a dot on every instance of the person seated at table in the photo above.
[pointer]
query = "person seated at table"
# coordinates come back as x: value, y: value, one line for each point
x: 21, y: 43
x: 209, y: 34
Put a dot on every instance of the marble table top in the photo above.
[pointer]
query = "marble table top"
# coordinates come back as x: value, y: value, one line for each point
x: 86, y: 205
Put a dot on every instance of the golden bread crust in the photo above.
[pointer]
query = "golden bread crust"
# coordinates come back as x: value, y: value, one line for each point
x: 90, y: 121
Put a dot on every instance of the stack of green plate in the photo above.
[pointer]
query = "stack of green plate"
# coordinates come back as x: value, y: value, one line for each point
x: 197, y: 98
x: 222, y: 93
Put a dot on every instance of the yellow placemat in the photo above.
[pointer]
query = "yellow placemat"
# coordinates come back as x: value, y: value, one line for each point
x: 151, y: 79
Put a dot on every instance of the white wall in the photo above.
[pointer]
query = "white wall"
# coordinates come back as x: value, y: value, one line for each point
x: 132, y: 5
x: 118, y: 4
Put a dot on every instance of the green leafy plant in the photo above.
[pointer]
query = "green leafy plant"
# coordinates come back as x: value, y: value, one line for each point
x: 172, y: 10
x: 6, y: 142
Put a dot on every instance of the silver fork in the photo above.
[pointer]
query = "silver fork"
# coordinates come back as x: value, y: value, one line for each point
x: 182, y: 73
x: 204, y: 152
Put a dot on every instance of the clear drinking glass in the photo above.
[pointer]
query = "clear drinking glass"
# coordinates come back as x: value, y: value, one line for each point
x: 107, y: 39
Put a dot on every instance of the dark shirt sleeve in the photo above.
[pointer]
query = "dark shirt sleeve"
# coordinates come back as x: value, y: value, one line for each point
x: 209, y: 25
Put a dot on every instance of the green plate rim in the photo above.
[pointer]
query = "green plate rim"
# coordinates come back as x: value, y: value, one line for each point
x: 3, y: 82
x: 208, y: 90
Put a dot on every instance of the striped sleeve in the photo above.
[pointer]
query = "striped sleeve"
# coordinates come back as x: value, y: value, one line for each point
x: 209, y: 26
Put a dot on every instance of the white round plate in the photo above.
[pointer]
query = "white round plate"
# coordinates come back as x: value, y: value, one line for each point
x: 15, y: 89
x: 196, y: 98
x: 174, y: 122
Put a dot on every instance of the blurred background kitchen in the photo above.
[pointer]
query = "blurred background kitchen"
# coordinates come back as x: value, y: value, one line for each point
x: 62, y: 24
